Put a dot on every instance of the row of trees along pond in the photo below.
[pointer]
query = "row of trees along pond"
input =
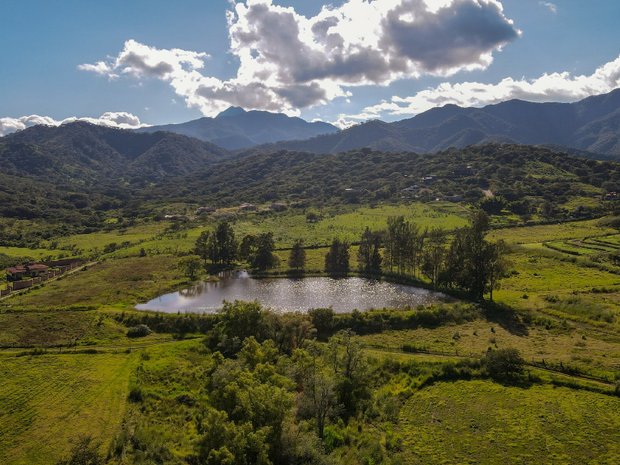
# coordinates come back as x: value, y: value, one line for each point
x: 461, y: 260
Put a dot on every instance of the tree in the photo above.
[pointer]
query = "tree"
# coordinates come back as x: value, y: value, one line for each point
x: 369, y: 255
x: 223, y: 245
x: 247, y: 248
x: 297, y: 257
x: 497, y: 265
x: 337, y: 258
x: 434, y: 256
x: 350, y: 367
x: 318, y: 396
x: 504, y: 364
x: 190, y: 266
x: 404, y: 245
x: 473, y: 263
x: 202, y: 247
x: 264, y: 257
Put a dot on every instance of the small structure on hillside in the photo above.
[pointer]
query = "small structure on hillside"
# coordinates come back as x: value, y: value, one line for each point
x: 247, y: 207
x: 204, y: 210
x: 29, y: 270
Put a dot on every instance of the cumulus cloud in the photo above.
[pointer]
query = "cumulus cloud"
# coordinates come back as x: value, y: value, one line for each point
x: 554, y: 87
x: 113, y: 119
x: 288, y: 61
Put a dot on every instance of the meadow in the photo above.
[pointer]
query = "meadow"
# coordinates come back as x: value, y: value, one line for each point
x: 67, y: 366
x: 49, y: 400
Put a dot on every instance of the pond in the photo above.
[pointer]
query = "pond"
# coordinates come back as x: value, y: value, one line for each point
x: 289, y: 294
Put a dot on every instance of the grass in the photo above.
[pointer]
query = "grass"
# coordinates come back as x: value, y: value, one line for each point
x: 485, y: 423
x: 596, y: 354
x: 349, y: 224
x: 164, y: 374
x: 94, y: 243
x: 551, y: 232
x: 35, y: 254
x: 49, y: 400
x: 121, y: 283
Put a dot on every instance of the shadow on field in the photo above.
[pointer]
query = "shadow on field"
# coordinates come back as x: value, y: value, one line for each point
x: 506, y: 317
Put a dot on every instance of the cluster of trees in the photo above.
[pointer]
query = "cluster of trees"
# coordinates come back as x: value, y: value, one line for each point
x: 463, y: 260
x: 274, y: 390
x: 468, y: 261
x: 276, y: 396
x: 221, y: 248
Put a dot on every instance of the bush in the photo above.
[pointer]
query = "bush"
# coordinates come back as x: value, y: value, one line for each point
x: 139, y: 331
x: 135, y: 395
x: 505, y: 365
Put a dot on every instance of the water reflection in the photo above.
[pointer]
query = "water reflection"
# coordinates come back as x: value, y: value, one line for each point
x: 287, y: 294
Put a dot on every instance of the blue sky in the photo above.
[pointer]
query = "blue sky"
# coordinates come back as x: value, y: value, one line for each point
x: 44, y: 43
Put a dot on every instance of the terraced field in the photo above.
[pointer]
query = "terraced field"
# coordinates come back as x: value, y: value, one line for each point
x: 47, y: 401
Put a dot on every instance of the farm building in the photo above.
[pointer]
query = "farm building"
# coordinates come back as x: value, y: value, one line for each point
x: 30, y: 270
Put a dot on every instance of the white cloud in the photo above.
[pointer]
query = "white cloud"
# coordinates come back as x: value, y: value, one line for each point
x: 554, y: 87
x: 552, y: 7
x: 113, y: 119
x: 289, y: 61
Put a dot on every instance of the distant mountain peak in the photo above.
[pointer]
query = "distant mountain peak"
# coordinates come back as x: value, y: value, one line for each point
x: 230, y: 112
x: 236, y: 128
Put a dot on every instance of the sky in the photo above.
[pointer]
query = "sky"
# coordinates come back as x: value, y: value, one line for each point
x: 129, y: 63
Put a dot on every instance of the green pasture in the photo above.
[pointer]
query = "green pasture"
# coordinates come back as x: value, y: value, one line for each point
x: 49, y: 401
x: 486, y: 423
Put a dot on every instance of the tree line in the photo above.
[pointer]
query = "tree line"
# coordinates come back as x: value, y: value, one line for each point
x: 458, y: 260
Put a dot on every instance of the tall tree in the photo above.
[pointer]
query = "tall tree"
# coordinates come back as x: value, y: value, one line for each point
x: 337, y: 258
x: 223, y: 244
x: 297, y: 257
x: 434, y: 256
x: 264, y: 258
x: 368, y: 254
x: 497, y: 265
x: 202, y: 248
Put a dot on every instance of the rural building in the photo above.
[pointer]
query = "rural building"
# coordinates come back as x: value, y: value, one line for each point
x: 247, y: 207
x: 31, y: 270
x: 204, y: 210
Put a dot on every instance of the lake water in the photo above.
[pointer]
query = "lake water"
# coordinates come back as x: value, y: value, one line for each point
x: 287, y: 294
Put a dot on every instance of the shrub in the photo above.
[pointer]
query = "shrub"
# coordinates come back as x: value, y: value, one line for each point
x: 135, y: 395
x: 139, y: 331
x: 505, y: 365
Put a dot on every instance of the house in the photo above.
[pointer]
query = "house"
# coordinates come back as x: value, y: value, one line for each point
x: 30, y: 270
x: 247, y: 207
x: 611, y: 196
x: 204, y: 210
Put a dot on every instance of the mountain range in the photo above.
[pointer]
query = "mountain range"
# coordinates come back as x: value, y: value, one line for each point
x: 236, y: 128
x: 86, y: 153
x: 590, y: 125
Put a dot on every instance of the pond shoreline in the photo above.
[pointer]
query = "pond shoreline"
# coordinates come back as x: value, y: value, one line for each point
x: 296, y: 293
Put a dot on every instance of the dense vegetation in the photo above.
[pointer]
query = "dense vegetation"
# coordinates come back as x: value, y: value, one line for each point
x: 525, y: 180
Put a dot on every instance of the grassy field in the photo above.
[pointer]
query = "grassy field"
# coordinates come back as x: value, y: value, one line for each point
x: 48, y: 401
x: 585, y: 350
x: 123, y: 282
x: 94, y: 243
x: 349, y: 225
x: 486, y: 423
x: 35, y: 254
